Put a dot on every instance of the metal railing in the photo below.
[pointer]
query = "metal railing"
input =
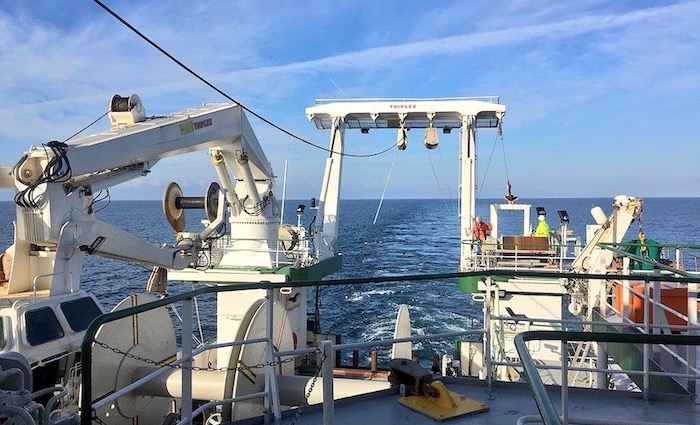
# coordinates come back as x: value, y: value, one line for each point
x: 301, y: 254
x: 491, y: 255
x: 548, y: 412
x: 671, y: 256
x: 271, y: 395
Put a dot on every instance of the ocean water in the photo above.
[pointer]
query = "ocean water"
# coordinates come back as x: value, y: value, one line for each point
x: 410, y: 237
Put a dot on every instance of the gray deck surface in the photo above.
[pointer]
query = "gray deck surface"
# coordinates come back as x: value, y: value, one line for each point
x: 511, y: 401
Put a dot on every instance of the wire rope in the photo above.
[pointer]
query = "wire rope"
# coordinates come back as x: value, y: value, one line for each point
x: 437, y: 180
x: 447, y: 182
x: 503, y: 147
x: 488, y: 164
x: 86, y: 127
x: 386, y: 184
x: 224, y: 94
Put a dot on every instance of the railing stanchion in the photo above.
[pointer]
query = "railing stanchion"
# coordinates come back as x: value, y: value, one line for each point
x: 601, y: 378
x: 272, y: 400
x: 327, y: 372
x: 693, y: 323
x: 658, y: 311
x: 645, y: 368
x: 186, y: 337
x: 564, y: 382
x: 487, y: 336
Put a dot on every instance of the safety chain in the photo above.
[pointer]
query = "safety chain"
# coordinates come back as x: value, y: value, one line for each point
x: 180, y: 366
x: 308, y: 392
x: 96, y: 419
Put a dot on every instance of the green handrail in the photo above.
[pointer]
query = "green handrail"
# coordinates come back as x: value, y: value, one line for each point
x: 544, y: 404
x: 658, y: 244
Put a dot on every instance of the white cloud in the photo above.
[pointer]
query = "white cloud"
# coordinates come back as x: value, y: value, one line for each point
x: 554, y: 65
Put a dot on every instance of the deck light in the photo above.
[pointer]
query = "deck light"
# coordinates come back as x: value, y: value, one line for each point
x: 300, y: 212
x: 402, y: 138
x: 563, y: 216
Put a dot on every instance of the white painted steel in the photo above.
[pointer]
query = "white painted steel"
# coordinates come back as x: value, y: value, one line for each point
x: 402, y: 329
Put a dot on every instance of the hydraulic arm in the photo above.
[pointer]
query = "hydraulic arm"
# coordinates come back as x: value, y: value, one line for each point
x: 57, y: 185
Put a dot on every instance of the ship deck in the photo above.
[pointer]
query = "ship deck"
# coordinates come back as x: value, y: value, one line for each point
x: 510, y: 402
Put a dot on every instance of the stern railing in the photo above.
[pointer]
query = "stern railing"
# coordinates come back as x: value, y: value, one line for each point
x: 88, y: 403
x: 548, y: 412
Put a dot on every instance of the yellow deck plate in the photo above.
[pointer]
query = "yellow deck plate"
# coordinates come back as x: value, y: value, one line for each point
x: 447, y: 405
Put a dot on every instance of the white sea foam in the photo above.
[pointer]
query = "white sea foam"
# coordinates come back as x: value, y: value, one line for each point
x: 362, y: 295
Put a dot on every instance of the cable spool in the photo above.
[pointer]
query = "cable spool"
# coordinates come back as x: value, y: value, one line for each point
x: 242, y: 380
x: 132, y: 341
x: 119, y: 104
x: 125, y: 104
x: 174, y: 214
x: 126, y: 111
x: 174, y: 204
x: 211, y: 201
x: 288, y: 236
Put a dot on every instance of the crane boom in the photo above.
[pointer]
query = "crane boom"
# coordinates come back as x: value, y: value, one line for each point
x: 55, y: 184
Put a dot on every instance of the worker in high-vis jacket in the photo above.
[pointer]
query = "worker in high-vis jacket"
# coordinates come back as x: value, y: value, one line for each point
x: 480, y: 229
x: 542, y: 227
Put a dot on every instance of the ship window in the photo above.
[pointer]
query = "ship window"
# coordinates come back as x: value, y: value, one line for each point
x: 79, y: 313
x: 42, y: 326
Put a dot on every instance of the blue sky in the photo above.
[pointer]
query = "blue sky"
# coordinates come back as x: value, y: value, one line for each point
x: 602, y: 97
